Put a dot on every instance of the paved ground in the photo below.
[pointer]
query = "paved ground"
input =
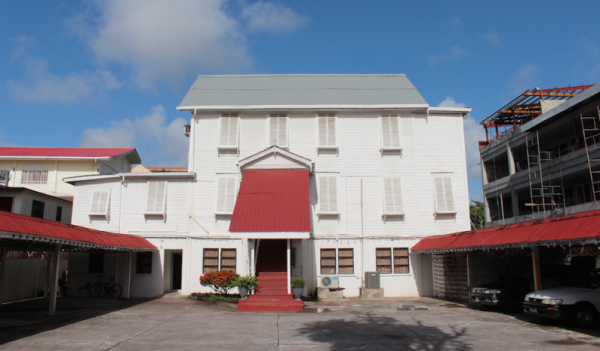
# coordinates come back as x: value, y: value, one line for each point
x: 177, y: 323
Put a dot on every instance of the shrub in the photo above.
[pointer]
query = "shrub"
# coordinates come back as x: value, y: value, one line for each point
x: 248, y: 281
x: 298, y: 282
x: 220, y: 281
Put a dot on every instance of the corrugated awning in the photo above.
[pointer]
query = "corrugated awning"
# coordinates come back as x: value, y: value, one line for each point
x: 16, y: 229
x: 576, y: 229
x: 272, y: 201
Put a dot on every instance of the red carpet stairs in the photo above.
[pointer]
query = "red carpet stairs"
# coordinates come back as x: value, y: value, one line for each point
x: 271, y: 295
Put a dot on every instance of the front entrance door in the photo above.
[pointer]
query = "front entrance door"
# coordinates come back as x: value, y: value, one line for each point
x: 272, y: 256
x: 176, y: 272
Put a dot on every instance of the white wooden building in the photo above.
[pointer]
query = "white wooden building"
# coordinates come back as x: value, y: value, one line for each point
x: 379, y: 169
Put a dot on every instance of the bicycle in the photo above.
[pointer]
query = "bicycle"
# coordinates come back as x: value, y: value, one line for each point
x: 113, y: 290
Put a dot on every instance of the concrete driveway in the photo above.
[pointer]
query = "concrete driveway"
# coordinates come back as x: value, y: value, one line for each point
x: 178, y: 323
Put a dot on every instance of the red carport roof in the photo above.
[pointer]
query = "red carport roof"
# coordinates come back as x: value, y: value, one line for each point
x: 274, y: 200
x: 18, y: 227
x: 577, y: 228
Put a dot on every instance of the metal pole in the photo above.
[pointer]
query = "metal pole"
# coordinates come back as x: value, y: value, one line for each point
x: 289, y: 268
x: 54, y: 280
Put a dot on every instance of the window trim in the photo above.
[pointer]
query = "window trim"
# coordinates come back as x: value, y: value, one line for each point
x: 43, y: 208
x: 219, y: 258
x: 436, y: 210
x: 137, y: 255
x: 318, y: 135
x: 237, y: 138
x: 392, y: 256
x: 237, y: 189
x: 382, y: 148
x: 385, y: 214
x: 328, y: 213
x: 287, y: 130
x: 149, y: 214
x: 34, y: 170
x: 337, y: 262
x: 106, y: 209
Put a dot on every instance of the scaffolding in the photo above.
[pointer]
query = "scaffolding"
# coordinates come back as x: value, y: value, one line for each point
x: 590, y: 126
x: 547, y: 196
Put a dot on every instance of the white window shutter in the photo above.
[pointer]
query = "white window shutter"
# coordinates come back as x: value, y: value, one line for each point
x: 99, y: 203
x: 224, y: 131
x: 151, y: 198
x: 333, y: 207
x: 273, y: 130
x: 282, y: 130
x: 229, y: 130
x: 230, y: 200
x: 322, y: 130
x: 157, y: 194
x: 448, y: 194
x: 226, y: 194
x: 390, y: 133
x: 95, y: 202
x: 392, y: 188
x: 278, y: 130
x: 331, y: 130
x: 327, y: 130
x: 444, y: 198
x: 328, y: 194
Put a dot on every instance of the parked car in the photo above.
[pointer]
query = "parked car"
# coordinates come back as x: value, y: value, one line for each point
x: 578, y: 300
x: 503, y: 294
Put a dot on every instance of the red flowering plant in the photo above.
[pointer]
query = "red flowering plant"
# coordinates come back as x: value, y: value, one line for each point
x: 220, y: 281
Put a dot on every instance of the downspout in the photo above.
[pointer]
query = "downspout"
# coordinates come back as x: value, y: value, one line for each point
x: 121, y: 202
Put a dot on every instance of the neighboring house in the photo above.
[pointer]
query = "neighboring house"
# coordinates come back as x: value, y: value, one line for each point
x: 43, y: 168
x: 35, y: 204
x: 295, y: 166
x: 544, y: 164
x: 142, y: 169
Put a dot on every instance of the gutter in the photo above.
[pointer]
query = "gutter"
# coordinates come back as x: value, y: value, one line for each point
x: 300, y: 107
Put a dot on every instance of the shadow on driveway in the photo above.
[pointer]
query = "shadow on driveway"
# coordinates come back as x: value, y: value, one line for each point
x: 371, y: 332
x: 22, y: 319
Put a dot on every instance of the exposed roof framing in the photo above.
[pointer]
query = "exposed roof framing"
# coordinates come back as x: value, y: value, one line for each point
x: 527, y: 106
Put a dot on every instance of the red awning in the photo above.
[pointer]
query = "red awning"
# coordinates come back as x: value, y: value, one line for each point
x: 35, y: 230
x: 577, y: 229
x: 274, y: 200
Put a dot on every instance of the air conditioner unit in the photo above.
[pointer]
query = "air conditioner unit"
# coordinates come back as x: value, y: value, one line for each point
x: 329, y: 282
x: 372, y: 280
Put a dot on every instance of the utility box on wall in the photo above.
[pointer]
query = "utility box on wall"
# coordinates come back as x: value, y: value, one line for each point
x: 372, y: 280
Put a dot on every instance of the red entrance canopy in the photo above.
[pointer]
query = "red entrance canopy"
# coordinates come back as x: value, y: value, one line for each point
x: 18, y: 227
x: 273, y: 200
x: 577, y: 229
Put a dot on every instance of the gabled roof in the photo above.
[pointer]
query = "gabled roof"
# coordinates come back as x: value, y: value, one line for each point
x: 275, y: 150
x: 302, y: 91
x: 67, y: 153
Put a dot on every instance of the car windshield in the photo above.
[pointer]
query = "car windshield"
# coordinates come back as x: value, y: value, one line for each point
x: 588, y: 280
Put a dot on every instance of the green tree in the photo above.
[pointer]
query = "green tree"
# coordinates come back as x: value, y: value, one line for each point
x: 477, y: 214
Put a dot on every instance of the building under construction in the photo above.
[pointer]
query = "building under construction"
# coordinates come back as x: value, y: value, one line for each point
x: 542, y: 155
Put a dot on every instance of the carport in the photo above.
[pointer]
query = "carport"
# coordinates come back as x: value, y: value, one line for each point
x: 18, y: 232
x: 577, y: 232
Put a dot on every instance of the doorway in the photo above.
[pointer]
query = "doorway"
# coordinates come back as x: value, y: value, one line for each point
x: 176, y: 267
x: 272, y: 256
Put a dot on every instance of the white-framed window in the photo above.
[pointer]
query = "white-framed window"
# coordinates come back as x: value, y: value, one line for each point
x: 229, y: 135
x: 392, y: 260
x: 443, y: 195
x: 219, y: 259
x: 100, y: 203
x: 278, y: 130
x: 390, y: 132
x: 345, y: 264
x: 34, y: 177
x: 143, y: 263
x: 226, y: 194
x: 392, y: 196
x: 327, y: 131
x: 4, y: 176
x: 328, y: 195
x: 156, y: 198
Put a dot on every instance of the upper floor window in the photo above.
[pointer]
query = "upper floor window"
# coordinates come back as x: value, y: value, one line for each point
x: 328, y: 203
x: 226, y: 194
x: 443, y: 196
x: 58, y: 213
x: 390, y: 132
x: 156, y: 198
x: 37, y: 209
x: 327, y: 130
x: 392, y: 196
x: 4, y: 176
x: 229, y: 131
x: 99, y: 203
x: 34, y: 177
x: 278, y: 131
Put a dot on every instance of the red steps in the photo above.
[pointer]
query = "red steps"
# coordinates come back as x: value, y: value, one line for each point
x: 271, y: 295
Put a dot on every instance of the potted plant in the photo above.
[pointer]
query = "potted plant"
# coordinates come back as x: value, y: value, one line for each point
x: 245, y: 283
x: 298, y: 284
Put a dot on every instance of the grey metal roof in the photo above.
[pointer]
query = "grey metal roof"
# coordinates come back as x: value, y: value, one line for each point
x: 301, y: 90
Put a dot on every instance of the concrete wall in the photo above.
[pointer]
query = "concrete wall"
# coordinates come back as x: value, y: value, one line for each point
x: 25, y: 278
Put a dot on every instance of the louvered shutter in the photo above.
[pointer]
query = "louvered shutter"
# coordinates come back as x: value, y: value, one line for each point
x: 328, y: 194
x: 156, y: 197
x: 444, y: 199
x: 392, y: 188
x: 99, y: 203
x: 229, y: 130
x: 390, y: 133
x: 226, y: 193
x: 327, y: 130
x: 278, y: 130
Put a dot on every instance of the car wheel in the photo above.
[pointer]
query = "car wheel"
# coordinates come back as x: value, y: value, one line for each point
x: 584, y: 316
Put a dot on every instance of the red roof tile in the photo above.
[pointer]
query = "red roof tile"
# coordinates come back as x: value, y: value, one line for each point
x: 16, y: 223
x: 275, y: 200
x: 63, y: 152
x: 578, y: 226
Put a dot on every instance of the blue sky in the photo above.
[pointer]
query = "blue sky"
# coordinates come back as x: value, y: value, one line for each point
x: 110, y: 73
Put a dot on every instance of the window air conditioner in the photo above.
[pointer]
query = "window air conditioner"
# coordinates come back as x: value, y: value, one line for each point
x: 329, y: 282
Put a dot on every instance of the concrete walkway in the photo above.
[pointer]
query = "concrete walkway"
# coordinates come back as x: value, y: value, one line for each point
x: 178, y: 323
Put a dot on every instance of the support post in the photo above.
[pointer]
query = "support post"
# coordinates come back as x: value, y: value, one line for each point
x: 537, y: 277
x: 48, y: 271
x: 3, y: 253
x: 54, y: 280
x: 127, y: 278
x: 252, y: 253
x: 289, y: 268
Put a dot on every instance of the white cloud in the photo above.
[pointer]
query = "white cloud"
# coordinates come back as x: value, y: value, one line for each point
x: 523, y: 78
x: 267, y: 16
x: 455, y: 54
x: 473, y: 134
x: 156, y: 140
x: 39, y: 85
x: 493, y: 39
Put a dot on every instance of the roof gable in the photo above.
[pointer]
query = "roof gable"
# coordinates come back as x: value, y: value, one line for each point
x: 275, y: 157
